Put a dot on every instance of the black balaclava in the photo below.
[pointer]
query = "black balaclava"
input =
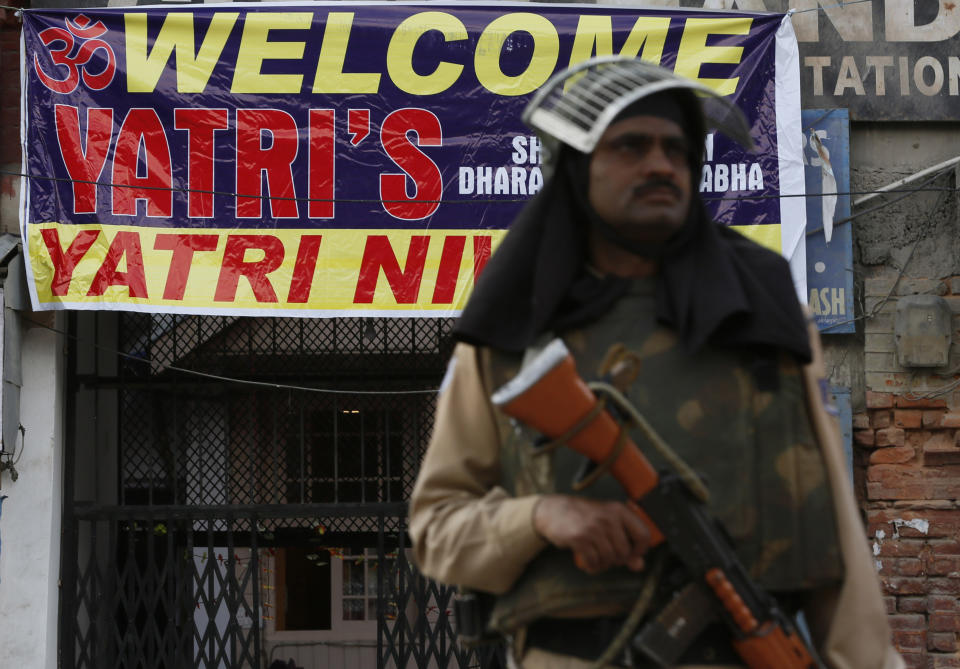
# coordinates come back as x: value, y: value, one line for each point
x: 713, y: 284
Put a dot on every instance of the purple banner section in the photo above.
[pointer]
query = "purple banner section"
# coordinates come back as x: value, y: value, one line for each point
x: 380, y: 116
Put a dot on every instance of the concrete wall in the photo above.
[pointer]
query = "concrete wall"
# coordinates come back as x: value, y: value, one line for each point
x: 30, y: 522
x: 907, y: 421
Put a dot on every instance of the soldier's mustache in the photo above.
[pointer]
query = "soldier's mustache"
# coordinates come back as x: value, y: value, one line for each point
x: 656, y: 185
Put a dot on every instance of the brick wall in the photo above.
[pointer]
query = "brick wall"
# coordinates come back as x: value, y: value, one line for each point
x: 907, y: 444
x: 9, y: 85
x: 9, y: 115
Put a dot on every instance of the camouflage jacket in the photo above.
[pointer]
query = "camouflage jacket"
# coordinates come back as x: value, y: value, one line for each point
x: 738, y: 418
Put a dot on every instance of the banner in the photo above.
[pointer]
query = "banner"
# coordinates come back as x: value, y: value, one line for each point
x: 331, y: 160
x: 829, y: 246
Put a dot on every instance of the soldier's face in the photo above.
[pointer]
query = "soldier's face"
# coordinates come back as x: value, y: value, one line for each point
x: 640, y: 180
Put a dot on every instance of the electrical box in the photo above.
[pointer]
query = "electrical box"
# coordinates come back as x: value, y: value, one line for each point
x: 922, y: 331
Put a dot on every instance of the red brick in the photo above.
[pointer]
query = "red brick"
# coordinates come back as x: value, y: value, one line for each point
x: 877, y: 400
x: 943, y: 641
x: 908, y: 532
x: 891, y: 603
x: 915, y: 438
x: 876, y: 491
x: 901, y: 548
x: 942, y: 565
x: 904, y: 585
x: 943, y: 586
x: 907, y: 418
x: 941, y: 440
x: 881, y: 419
x: 882, y: 519
x: 892, y: 455
x: 891, y: 436
x: 944, y: 622
x: 932, y: 417
x: 950, y: 420
x: 910, y: 640
x: 941, y: 449
x: 914, y: 660
x: 937, y: 661
x: 907, y: 621
x: 933, y: 403
x: 906, y: 482
x: 911, y: 604
x: 861, y: 421
x: 942, y: 522
x: 945, y: 546
x: 901, y: 567
x: 942, y: 603
x: 864, y: 437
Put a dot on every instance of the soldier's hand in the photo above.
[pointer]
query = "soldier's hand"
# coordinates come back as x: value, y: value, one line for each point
x: 602, y: 534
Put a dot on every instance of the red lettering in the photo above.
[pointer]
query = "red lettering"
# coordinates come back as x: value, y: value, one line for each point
x: 253, y: 125
x: 65, y: 263
x: 84, y: 165
x: 358, y: 123
x: 142, y: 126
x: 482, y: 248
x: 377, y: 255
x: 303, y: 269
x: 183, y: 247
x: 415, y: 164
x: 126, y: 244
x: 200, y: 125
x: 449, y: 270
x: 234, y: 266
x: 321, y: 168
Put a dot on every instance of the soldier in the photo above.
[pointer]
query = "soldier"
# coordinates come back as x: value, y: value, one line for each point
x: 617, y: 256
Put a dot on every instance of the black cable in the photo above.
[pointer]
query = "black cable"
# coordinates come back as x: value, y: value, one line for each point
x: 929, y: 223
x: 12, y: 458
x: 903, y: 194
x: 218, y: 377
x: 801, y: 11
x: 281, y: 386
x: 108, y: 184
x: 821, y: 8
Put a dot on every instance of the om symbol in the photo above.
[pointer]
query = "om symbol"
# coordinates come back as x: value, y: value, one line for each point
x: 75, y: 65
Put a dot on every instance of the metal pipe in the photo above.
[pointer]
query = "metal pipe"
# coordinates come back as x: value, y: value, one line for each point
x: 902, y: 182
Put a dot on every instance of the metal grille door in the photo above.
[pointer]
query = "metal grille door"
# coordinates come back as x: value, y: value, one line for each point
x: 236, y: 494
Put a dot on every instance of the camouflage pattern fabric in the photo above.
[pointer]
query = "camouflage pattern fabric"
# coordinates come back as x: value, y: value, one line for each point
x: 737, y: 417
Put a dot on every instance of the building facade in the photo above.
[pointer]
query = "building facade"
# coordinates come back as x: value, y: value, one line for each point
x: 165, y: 515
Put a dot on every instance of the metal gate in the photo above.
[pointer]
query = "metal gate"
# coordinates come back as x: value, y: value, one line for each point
x: 235, y: 494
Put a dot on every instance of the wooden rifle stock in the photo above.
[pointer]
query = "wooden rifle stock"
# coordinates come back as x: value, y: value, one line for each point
x: 551, y: 397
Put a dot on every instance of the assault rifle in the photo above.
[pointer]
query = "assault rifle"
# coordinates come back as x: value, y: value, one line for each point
x: 549, y: 396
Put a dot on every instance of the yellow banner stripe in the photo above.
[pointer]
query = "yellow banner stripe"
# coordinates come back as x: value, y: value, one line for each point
x: 766, y: 235
x: 257, y: 270
x: 251, y: 271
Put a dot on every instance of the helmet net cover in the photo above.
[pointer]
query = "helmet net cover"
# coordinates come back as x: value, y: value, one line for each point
x: 600, y: 88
